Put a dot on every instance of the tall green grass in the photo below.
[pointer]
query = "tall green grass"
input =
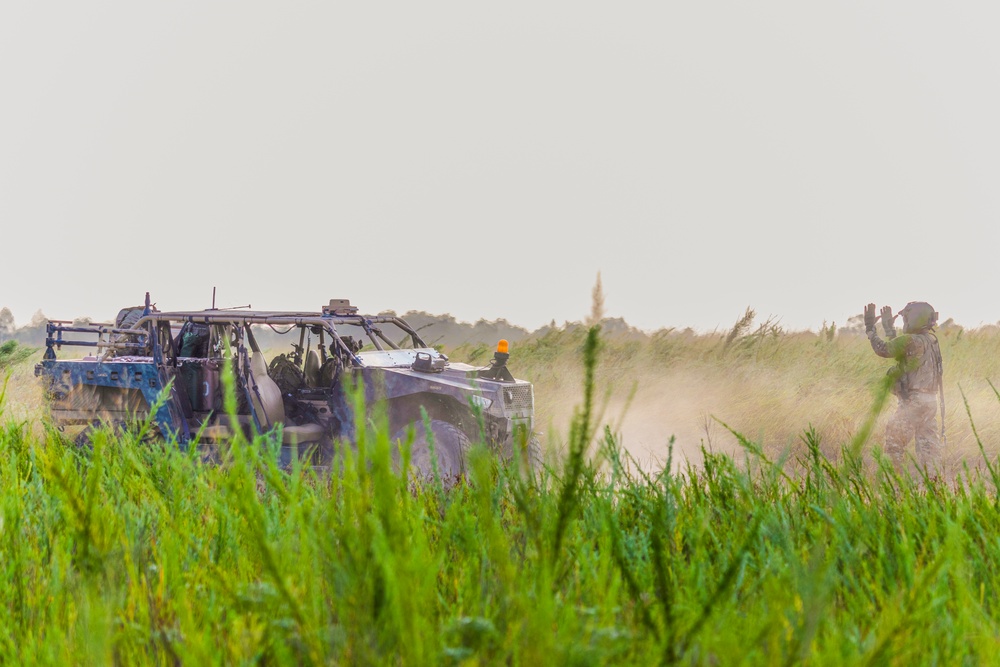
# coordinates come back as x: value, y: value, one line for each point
x: 138, y: 553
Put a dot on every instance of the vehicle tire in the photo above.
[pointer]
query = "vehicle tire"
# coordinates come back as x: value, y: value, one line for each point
x: 450, y: 445
x: 533, y: 455
x: 82, y: 439
x: 527, y: 458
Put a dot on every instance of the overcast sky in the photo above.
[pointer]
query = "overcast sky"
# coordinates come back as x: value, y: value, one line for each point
x: 488, y: 159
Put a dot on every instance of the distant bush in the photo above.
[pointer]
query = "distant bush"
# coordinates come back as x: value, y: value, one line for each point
x: 12, y: 353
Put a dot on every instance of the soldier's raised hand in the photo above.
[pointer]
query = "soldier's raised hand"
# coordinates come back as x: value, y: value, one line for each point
x: 870, y: 318
x: 887, y: 322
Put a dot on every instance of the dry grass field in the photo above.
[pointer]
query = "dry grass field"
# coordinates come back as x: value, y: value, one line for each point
x: 767, y: 384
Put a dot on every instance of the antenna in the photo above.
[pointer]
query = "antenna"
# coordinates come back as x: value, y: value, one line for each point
x: 230, y: 308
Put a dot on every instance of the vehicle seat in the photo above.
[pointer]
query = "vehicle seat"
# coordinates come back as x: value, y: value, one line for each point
x: 311, y: 370
x: 270, y: 409
x: 329, y: 371
x: 223, y: 428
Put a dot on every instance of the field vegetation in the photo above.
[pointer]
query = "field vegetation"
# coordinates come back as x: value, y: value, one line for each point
x: 770, y: 531
x: 765, y: 383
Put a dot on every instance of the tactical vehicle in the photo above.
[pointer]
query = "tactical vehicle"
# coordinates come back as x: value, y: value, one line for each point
x: 303, y: 392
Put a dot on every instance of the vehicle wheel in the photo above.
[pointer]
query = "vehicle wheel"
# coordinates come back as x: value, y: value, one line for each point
x: 82, y: 439
x: 533, y: 455
x: 528, y: 457
x: 450, y: 445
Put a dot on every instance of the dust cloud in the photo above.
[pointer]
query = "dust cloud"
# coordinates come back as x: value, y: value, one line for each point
x: 676, y: 409
x: 770, y: 407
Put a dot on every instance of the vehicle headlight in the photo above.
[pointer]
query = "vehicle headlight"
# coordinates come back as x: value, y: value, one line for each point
x: 482, y: 402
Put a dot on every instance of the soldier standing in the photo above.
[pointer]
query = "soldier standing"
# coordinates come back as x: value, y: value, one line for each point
x: 918, y: 374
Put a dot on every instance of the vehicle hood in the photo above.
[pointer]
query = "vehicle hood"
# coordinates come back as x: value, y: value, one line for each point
x: 394, y: 358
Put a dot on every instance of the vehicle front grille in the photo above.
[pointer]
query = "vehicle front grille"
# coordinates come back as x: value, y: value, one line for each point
x: 518, y: 398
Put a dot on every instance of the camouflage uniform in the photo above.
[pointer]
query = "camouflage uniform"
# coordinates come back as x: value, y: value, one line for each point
x: 917, y: 384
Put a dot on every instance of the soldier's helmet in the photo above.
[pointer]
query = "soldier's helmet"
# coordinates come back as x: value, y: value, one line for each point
x: 918, y: 316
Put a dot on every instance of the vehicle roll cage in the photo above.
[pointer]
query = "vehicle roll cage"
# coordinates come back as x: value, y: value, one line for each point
x: 136, y: 338
x: 55, y: 329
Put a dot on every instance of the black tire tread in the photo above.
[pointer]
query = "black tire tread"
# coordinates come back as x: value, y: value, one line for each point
x: 450, y: 446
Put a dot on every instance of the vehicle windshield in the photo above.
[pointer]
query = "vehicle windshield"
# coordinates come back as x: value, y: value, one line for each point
x: 388, y: 334
x: 274, y: 340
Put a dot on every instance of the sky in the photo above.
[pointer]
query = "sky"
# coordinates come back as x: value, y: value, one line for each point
x: 487, y: 160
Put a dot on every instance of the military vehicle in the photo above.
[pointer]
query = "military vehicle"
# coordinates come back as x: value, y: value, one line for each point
x: 303, y: 392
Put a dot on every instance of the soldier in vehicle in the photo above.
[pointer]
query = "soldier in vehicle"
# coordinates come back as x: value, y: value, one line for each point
x: 918, y: 374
